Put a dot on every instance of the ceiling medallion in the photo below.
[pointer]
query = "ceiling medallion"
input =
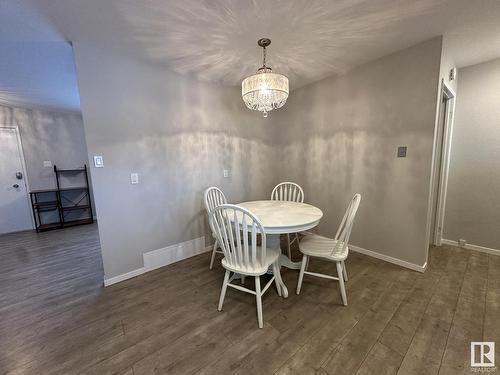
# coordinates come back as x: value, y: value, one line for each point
x: 265, y: 90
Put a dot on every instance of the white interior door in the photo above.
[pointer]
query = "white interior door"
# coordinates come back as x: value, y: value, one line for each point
x: 15, y: 213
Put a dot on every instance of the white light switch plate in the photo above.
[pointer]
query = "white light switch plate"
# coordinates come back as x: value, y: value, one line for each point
x: 225, y: 173
x: 98, y: 161
x: 134, y: 178
x: 47, y: 163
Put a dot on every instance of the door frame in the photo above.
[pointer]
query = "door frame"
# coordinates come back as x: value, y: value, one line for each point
x: 23, y: 166
x: 442, y: 180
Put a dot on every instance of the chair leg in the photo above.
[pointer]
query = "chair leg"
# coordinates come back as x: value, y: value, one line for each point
x: 276, y: 271
x: 301, y: 274
x: 242, y: 279
x: 341, y: 283
x: 289, y: 249
x: 258, y: 297
x: 223, y: 291
x: 344, y: 269
x: 213, y: 254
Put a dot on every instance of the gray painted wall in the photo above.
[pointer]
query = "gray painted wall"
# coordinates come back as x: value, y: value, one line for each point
x: 47, y: 135
x: 340, y: 136
x: 178, y: 134
x: 52, y: 135
x: 473, y: 196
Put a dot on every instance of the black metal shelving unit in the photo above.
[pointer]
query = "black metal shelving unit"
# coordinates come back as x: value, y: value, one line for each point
x: 64, y: 206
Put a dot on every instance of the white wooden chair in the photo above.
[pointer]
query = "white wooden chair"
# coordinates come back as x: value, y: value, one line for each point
x: 335, y: 250
x: 241, y: 254
x: 214, y: 197
x: 291, y: 192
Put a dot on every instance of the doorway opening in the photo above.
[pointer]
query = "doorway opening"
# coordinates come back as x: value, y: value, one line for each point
x: 440, y: 169
x: 41, y: 134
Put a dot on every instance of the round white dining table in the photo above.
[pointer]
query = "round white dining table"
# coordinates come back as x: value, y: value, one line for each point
x: 281, y: 217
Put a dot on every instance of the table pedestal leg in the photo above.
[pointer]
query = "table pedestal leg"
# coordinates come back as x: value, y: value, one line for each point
x: 273, y: 242
x: 286, y: 262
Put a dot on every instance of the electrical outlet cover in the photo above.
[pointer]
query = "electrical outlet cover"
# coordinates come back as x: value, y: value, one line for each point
x: 134, y: 178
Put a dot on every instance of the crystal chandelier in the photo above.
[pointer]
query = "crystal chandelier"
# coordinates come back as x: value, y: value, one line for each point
x: 265, y: 90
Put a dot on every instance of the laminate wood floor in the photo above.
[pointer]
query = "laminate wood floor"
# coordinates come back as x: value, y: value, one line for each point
x: 56, y: 318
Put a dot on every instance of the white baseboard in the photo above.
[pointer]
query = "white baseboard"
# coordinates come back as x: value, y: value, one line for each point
x: 389, y: 259
x: 174, y: 253
x: 162, y: 257
x: 468, y: 246
x: 123, y: 276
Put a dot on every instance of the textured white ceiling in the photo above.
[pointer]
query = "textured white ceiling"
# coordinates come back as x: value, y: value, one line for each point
x: 36, y: 61
x: 311, y: 39
x: 38, y: 74
x: 216, y: 39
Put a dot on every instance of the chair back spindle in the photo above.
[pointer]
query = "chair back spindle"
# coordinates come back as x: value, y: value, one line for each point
x: 344, y: 231
x: 214, y: 197
x: 288, y: 191
x: 237, y: 229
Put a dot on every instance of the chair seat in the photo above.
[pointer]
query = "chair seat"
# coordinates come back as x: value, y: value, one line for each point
x: 271, y: 256
x: 322, y: 247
